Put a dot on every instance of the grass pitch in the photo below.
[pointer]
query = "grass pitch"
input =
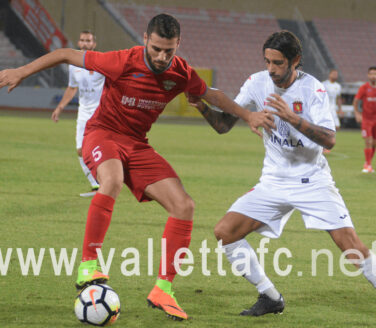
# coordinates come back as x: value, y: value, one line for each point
x: 40, y: 180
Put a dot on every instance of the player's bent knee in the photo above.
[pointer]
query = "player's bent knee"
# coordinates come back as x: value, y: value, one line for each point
x: 221, y: 233
x: 184, y: 209
x: 111, y: 185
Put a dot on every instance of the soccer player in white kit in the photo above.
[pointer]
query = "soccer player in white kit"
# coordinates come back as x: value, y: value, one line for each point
x: 295, y: 174
x: 90, y: 86
x: 333, y: 88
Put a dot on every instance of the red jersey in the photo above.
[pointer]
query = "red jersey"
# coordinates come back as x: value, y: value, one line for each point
x: 133, y: 95
x: 367, y: 93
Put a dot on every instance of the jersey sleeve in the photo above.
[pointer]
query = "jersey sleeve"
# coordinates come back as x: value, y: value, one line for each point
x: 245, y: 96
x: 110, y: 64
x: 320, y: 110
x: 73, y: 83
x: 196, y: 86
x: 360, y: 93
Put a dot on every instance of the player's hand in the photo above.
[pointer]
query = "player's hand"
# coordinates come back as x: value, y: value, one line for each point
x: 282, y: 108
x: 11, y: 78
x: 258, y: 120
x: 55, y: 114
x: 341, y: 114
x: 195, y: 101
x: 358, y: 117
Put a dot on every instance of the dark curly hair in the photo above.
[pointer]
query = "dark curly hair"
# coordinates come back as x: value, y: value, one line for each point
x: 287, y: 43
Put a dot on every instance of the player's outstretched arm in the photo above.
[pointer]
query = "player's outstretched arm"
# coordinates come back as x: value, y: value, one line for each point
x: 255, y: 120
x: 321, y: 135
x: 220, y: 121
x: 13, y: 77
x: 67, y: 97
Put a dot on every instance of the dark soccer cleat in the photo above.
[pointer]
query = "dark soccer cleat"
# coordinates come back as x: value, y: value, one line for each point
x: 265, y: 305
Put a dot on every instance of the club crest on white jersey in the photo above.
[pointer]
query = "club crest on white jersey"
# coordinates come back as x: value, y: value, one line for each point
x: 289, y: 153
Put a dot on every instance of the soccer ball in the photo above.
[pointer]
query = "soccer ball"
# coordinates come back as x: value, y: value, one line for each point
x: 97, y: 305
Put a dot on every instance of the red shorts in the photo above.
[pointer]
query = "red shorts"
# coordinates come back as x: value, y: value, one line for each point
x: 142, y: 164
x: 368, y: 129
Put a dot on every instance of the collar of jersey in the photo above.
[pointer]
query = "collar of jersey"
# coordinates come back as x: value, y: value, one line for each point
x: 148, y: 66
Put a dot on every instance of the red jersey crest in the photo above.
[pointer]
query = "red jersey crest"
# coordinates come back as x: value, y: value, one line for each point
x: 168, y: 85
x: 297, y: 107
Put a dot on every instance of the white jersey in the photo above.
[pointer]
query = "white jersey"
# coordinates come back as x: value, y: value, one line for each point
x: 90, y: 86
x: 290, y: 154
x: 334, y: 90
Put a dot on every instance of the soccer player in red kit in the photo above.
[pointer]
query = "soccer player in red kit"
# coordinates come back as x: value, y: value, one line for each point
x: 367, y: 94
x: 139, y: 83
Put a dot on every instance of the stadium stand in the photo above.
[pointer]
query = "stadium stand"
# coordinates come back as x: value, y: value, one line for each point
x: 353, y: 49
x: 231, y: 43
x: 9, y: 55
x: 18, y: 45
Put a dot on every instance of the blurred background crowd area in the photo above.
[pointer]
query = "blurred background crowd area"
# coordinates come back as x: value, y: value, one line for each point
x: 222, y: 38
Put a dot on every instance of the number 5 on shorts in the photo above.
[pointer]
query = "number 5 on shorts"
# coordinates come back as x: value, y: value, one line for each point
x: 97, y: 154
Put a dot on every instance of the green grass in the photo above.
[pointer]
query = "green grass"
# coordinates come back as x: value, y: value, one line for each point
x: 40, y: 179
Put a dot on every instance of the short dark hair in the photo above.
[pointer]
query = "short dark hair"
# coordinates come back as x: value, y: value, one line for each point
x: 372, y: 68
x: 89, y: 32
x: 287, y: 43
x: 166, y: 26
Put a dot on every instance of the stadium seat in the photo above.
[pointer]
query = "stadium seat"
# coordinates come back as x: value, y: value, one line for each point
x: 353, y: 49
x: 228, y: 42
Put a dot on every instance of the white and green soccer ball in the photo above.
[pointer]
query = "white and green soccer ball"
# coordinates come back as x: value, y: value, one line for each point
x: 98, y: 305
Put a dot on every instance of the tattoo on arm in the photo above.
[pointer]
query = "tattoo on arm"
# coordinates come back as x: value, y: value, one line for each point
x: 322, y: 136
x: 220, y: 121
x: 299, y: 124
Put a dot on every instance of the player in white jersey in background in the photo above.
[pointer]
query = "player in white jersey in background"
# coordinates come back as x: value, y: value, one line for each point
x: 295, y: 174
x: 90, y: 85
x: 333, y: 88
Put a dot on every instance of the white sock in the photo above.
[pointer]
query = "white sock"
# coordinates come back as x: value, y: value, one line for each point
x: 93, y: 182
x: 256, y: 274
x: 368, y: 267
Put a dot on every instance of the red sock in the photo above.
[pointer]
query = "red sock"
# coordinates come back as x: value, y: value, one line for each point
x: 373, y: 152
x: 98, y: 220
x: 177, y: 234
x: 368, y: 153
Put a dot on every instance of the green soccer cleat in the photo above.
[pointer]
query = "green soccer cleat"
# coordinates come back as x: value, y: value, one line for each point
x: 89, y: 274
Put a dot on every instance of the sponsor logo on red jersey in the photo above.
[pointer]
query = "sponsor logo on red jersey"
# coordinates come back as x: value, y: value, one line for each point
x: 137, y: 75
x: 297, y: 107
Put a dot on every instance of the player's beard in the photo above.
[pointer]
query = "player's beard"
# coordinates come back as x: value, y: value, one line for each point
x: 280, y: 82
x: 152, y: 66
x: 87, y: 48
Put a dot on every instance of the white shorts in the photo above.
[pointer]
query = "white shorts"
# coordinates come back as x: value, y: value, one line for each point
x: 80, y: 130
x: 333, y: 111
x: 272, y: 203
x: 84, y: 114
